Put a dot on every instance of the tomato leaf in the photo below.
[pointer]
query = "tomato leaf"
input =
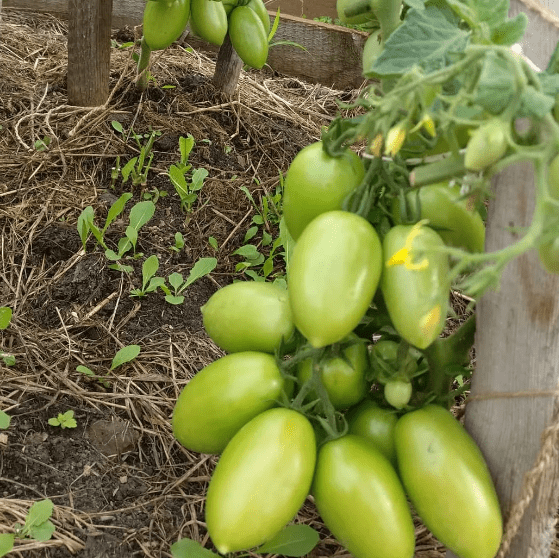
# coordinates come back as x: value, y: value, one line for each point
x: 187, y: 548
x: 496, y: 84
x: 294, y: 540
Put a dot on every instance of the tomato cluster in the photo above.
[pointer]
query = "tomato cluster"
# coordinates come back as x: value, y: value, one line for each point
x: 308, y: 401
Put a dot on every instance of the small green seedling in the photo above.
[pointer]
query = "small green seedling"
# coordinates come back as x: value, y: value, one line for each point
x: 37, y: 526
x: 201, y: 268
x: 149, y: 282
x: 124, y: 355
x: 213, y: 243
x: 4, y: 420
x: 154, y: 194
x: 293, y: 540
x: 64, y: 420
x: 179, y: 243
x: 5, y: 318
x: 42, y: 144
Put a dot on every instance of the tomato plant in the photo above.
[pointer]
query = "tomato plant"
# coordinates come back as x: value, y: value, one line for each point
x: 223, y: 397
x: 261, y: 480
x: 248, y: 36
x: 549, y: 251
x: 261, y: 314
x: 361, y: 500
x: 487, y: 145
x: 398, y: 393
x: 164, y: 21
x: 316, y: 183
x: 333, y: 274
x: 447, y: 480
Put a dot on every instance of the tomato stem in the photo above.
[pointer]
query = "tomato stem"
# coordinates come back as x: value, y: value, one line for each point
x: 142, y: 68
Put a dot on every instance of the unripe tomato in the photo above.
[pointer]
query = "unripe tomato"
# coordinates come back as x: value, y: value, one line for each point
x: 376, y: 424
x: 343, y: 378
x: 248, y: 36
x: 371, y: 51
x: 397, y: 393
x: 248, y: 316
x: 414, y: 282
x: 223, y: 397
x: 487, y: 145
x: 261, y: 480
x: 549, y: 252
x: 456, y: 221
x: 164, y: 21
x: 361, y: 500
x: 208, y: 20
x: 333, y: 275
x: 366, y: 17
x: 446, y: 477
x: 316, y: 183
x: 260, y: 9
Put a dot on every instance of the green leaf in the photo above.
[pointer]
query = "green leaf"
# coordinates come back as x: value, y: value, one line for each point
x: 293, y: 540
x: 112, y: 255
x: 187, y: 548
x: 179, y: 240
x: 54, y: 421
x: 84, y: 219
x: 9, y: 360
x: 248, y: 251
x: 5, y: 420
x: 268, y: 267
x: 511, y: 31
x: 176, y: 176
x: 6, y: 543
x: 198, y: 177
x: 475, y: 12
x: 126, y: 354
x: 266, y: 239
x: 250, y: 234
x: 185, y: 147
x: 132, y: 235
x: 171, y: 299
x: 274, y: 25
x: 140, y: 214
x: 258, y: 220
x: 116, y: 209
x: 85, y: 370
x: 254, y: 276
x: 213, y: 243
x: 154, y: 284
x: 496, y: 83
x: 201, y: 268
x: 176, y: 280
x: 417, y: 4
x: 117, y: 126
x: 149, y: 269
x: 426, y: 39
x: 535, y: 103
x: 5, y: 317
x: 42, y: 532
x: 127, y: 169
x: 38, y: 513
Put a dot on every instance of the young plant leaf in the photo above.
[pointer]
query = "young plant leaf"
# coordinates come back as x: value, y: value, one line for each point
x: 85, y: 370
x: 117, y: 126
x: 132, y: 235
x: 154, y: 284
x: 187, y: 548
x: 176, y: 176
x: 201, y: 268
x: 140, y: 214
x: 84, y: 219
x: 294, y: 540
x: 116, y: 209
x: 38, y: 513
x: 127, y: 169
x: 176, y: 280
x: 9, y: 360
x: 6, y: 543
x: 42, y: 532
x: 149, y: 269
x: 4, y: 420
x: 5, y: 317
x: 126, y: 354
x: 198, y: 177
x: 250, y: 233
x: 185, y: 147
x: 172, y: 299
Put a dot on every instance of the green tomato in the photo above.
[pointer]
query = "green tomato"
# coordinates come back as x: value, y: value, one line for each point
x: 248, y: 36
x: 248, y: 316
x: 446, y: 477
x: 260, y: 9
x: 365, y: 17
x: 343, y: 378
x: 223, y: 397
x: 316, y: 183
x: 360, y: 499
x: 456, y: 221
x: 414, y: 282
x: 487, y: 145
x: 371, y: 51
x: 333, y: 275
x: 229, y: 5
x: 209, y: 21
x: 398, y: 393
x: 549, y: 251
x: 376, y: 424
x: 261, y: 480
x: 164, y: 21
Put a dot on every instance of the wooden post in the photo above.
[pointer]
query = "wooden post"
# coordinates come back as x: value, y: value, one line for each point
x: 89, y: 51
x: 227, y: 68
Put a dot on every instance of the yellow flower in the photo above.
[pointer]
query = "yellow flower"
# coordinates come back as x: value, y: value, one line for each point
x: 376, y: 146
x: 428, y: 125
x: 404, y: 256
x: 395, y: 139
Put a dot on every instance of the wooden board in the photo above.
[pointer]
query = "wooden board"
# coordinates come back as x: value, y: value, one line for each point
x: 332, y: 56
x: 304, y: 8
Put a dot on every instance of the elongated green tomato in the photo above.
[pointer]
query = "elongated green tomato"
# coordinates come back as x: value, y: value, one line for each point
x: 208, y: 20
x: 549, y: 251
x: 446, y: 477
x: 260, y: 9
x: 343, y: 377
x: 376, y: 424
x: 456, y: 220
x: 487, y: 145
x: 164, y: 21
x: 361, y: 500
x: 316, y: 183
x: 248, y: 36
x: 414, y: 282
x: 333, y: 275
x: 229, y: 6
x: 371, y: 51
x: 365, y: 17
x: 261, y: 480
x: 223, y: 397
x: 248, y: 316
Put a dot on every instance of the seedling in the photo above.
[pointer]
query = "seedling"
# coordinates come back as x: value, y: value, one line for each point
x: 124, y: 355
x: 201, y: 268
x: 154, y: 194
x: 179, y: 243
x: 5, y: 318
x: 64, y: 420
x: 213, y: 243
x: 37, y: 526
x: 4, y: 420
x: 149, y: 282
x: 187, y: 190
x: 42, y: 144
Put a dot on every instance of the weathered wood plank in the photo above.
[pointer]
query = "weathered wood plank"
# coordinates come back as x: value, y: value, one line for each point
x: 332, y: 56
x: 304, y: 8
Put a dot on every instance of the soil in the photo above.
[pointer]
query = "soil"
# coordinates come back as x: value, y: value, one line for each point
x: 121, y: 485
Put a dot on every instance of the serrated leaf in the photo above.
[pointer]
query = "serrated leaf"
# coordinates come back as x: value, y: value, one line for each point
x: 510, y: 31
x: 5, y: 316
x: 84, y: 218
x: 116, y: 209
x: 149, y: 269
x: 176, y: 280
x: 425, y: 39
x: 535, y: 103
x: 42, y: 532
x: 294, y: 540
x: 5, y: 420
x: 126, y: 354
x: 496, y: 83
x: 6, y: 543
x: 38, y: 513
x: 201, y: 268
x: 187, y: 548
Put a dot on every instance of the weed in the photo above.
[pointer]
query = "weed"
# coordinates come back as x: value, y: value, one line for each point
x: 124, y: 355
x: 64, y: 420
